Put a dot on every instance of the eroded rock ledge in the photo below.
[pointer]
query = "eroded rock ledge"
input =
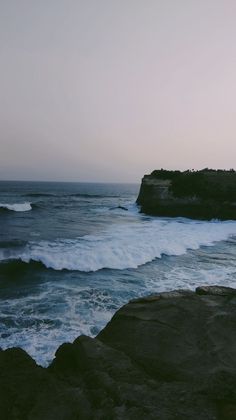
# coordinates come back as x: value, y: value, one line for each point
x: 204, y: 194
x: 165, y: 356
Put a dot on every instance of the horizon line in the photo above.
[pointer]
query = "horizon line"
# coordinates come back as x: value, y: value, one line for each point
x: 75, y: 182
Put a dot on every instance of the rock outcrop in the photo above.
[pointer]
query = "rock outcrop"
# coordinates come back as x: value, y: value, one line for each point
x: 204, y: 194
x: 166, y: 356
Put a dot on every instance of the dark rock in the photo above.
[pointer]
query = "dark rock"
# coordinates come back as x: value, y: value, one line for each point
x: 215, y: 290
x: 166, y: 356
x: 28, y: 391
x: 182, y: 337
x: 164, y: 295
x: 119, y: 207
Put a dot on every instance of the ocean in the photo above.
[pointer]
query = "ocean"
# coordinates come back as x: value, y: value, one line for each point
x: 71, y: 254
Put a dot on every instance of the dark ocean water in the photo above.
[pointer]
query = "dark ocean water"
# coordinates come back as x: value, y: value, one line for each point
x: 72, y: 253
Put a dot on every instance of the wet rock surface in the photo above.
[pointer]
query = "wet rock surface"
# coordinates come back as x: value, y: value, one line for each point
x: 165, y: 356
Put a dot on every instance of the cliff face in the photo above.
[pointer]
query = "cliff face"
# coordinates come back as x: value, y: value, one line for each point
x: 166, y: 356
x: 203, y: 194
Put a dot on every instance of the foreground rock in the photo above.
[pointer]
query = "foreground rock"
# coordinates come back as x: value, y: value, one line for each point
x: 204, y: 194
x: 166, y: 356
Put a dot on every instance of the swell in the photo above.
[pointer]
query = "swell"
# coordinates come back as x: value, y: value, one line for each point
x: 93, y: 195
x: 12, y: 244
x: 39, y: 195
x: 82, y: 195
x: 13, y: 268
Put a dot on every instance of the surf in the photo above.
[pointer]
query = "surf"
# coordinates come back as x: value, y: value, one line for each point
x: 16, y: 206
x: 125, y: 246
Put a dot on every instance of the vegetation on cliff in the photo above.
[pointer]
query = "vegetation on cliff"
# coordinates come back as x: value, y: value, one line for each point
x: 204, y: 184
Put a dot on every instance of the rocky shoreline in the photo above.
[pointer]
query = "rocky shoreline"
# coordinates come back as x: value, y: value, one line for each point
x: 165, y: 356
x: 206, y: 194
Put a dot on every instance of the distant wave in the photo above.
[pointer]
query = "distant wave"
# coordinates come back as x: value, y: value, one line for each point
x: 92, y: 195
x: 16, y: 207
x: 39, y: 195
x: 127, y: 246
x: 82, y: 195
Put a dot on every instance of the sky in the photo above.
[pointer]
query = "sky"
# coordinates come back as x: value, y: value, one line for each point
x: 108, y: 90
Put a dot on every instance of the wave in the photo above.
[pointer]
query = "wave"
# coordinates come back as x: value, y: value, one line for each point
x: 16, y: 206
x: 13, y: 268
x: 82, y: 195
x: 126, y: 246
x: 92, y: 195
x: 12, y: 243
x: 39, y: 195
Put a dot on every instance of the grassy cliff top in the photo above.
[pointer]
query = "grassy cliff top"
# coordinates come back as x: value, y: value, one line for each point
x: 166, y: 174
x: 217, y: 184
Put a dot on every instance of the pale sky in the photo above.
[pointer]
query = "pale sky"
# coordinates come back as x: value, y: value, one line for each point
x: 107, y: 90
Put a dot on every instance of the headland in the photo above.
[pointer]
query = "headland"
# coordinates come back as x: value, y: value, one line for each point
x: 205, y: 194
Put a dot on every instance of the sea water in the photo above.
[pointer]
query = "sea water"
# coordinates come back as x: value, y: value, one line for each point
x: 71, y: 254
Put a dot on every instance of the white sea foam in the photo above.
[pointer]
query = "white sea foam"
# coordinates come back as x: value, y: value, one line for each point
x: 128, y: 245
x: 17, y: 206
x: 40, y: 323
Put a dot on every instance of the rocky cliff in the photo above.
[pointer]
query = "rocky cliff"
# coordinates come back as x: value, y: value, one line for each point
x: 166, y: 356
x: 204, y: 194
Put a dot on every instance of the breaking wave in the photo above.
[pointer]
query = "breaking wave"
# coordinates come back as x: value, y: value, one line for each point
x: 16, y: 207
x: 126, y: 246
